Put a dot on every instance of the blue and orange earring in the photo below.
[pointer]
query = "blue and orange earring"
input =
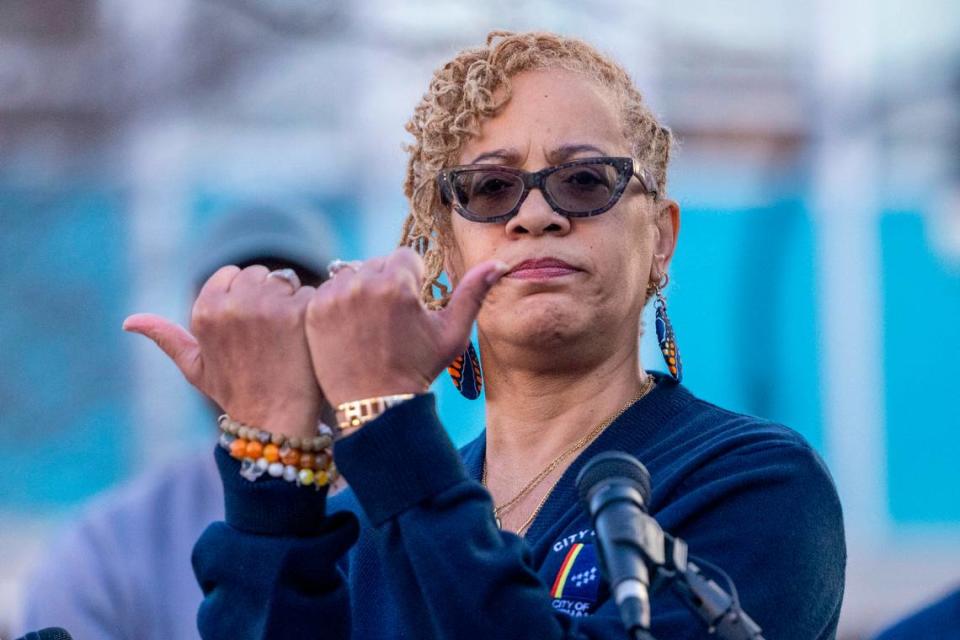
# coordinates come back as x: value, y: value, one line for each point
x: 466, y: 374
x: 665, y: 335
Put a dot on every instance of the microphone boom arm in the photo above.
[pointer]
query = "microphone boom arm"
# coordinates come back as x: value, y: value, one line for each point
x: 718, y: 609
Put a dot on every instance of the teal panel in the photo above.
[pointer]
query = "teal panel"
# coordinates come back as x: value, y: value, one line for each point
x: 463, y: 419
x: 742, y: 301
x: 922, y: 369
x: 63, y: 389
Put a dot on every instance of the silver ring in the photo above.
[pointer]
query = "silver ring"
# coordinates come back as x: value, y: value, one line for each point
x: 287, y: 275
x: 338, y: 265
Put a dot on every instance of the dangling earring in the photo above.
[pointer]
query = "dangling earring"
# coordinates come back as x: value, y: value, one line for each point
x: 665, y: 335
x: 466, y: 374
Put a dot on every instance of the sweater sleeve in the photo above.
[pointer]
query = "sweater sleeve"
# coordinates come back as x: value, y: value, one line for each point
x: 463, y: 578
x: 271, y: 569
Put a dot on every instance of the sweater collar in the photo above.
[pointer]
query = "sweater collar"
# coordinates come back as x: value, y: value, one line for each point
x: 634, y: 430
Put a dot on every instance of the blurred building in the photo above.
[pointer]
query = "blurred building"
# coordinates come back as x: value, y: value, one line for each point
x: 817, y: 282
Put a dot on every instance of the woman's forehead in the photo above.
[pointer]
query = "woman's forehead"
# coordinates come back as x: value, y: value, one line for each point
x: 549, y: 114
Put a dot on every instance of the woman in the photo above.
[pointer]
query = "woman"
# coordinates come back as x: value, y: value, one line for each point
x: 556, y: 268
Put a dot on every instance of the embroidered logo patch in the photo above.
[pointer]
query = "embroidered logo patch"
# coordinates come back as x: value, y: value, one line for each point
x: 577, y: 582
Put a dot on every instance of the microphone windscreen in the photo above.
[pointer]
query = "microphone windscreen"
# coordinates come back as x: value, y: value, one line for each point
x: 52, y: 633
x: 613, y: 464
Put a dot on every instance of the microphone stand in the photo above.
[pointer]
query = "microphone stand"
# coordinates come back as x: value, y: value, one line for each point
x: 715, y: 606
x: 718, y: 609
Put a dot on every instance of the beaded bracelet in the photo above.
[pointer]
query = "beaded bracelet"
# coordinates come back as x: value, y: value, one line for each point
x: 240, y: 430
x: 305, y: 461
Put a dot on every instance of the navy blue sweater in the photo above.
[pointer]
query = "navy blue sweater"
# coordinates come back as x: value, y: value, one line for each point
x: 412, y: 549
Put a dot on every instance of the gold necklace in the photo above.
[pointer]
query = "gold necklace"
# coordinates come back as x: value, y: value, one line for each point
x: 648, y: 385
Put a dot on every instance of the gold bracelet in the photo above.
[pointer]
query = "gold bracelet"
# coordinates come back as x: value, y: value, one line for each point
x: 359, y: 412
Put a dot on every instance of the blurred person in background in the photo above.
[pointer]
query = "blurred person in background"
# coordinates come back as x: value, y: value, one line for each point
x: 939, y: 620
x: 537, y: 182
x: 122, y: 571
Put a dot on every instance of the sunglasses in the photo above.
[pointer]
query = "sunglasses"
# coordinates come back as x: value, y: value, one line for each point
x: 577, y: 189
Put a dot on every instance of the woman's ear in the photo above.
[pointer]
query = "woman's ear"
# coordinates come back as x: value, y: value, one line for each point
x: 668, y: 229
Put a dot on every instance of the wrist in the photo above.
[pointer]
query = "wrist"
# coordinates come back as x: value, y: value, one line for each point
x: 341, y: 389
x: 307, y: 461
x: 292, y: 422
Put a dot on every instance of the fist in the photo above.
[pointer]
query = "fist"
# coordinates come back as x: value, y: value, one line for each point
x: 370, y: 334
x: 247, y: 349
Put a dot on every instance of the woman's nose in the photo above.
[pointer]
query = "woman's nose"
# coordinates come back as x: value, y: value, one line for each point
x: 536, y: 217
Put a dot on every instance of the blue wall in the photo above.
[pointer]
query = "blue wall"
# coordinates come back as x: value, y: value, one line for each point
x: 64, y: 390
x: 743, y: 301
x: 743, y: 304
x: 922, y: 367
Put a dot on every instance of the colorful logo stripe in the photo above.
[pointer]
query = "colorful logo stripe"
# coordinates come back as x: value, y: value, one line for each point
x: 561, y: 581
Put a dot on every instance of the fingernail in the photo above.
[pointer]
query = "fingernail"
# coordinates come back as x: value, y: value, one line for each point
x: 497, y: 272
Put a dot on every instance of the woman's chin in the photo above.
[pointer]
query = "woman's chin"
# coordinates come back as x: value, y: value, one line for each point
x: 543, y: 323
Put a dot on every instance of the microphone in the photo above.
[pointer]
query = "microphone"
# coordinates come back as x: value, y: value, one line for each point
x: 615, y: 488
x: 52, y: 633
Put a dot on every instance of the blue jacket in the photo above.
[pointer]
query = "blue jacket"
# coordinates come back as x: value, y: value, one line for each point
x: 940, y: 620
x: 412, y: 551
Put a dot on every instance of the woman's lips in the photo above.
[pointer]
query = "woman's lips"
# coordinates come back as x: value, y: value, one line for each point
x: 541, y: 269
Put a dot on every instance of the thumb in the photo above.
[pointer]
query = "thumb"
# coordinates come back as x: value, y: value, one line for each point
x: 467, y: 297
x: 173, y: 340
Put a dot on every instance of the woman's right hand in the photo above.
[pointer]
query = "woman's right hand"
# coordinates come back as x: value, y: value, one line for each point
x: 247, y: 351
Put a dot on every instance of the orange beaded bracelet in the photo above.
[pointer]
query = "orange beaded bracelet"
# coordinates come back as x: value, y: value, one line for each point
x: 308, y: 462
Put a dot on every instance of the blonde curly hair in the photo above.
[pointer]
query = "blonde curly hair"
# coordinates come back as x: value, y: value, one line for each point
x: 461, y: 96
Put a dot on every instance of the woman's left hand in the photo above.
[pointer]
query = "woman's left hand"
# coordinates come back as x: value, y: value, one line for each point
x: 371, y: 335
